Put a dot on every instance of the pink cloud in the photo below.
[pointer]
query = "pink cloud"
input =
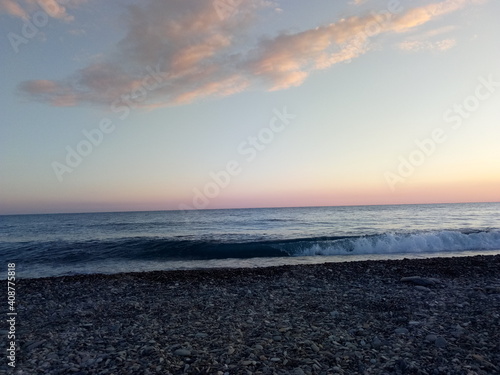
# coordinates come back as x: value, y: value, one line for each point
x: 12, y: 8
x: 198, y: 54
x: 24, y: 8
x: 50, y: 92
x: 418, y: 16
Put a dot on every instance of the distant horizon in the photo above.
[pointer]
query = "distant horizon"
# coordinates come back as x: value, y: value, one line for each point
x: 244, y: 208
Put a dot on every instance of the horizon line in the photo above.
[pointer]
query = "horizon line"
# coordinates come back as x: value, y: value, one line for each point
x: 243, y: 208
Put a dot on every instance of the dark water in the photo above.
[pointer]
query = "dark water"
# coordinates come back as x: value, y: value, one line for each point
x: 59, y: 244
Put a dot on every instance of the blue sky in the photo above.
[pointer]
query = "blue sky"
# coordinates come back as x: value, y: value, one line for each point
x: 388, y: 102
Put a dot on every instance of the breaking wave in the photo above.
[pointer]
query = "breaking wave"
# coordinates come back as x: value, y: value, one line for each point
x: 168, y: 249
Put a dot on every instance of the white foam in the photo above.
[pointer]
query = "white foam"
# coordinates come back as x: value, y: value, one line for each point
x: 392, y: 243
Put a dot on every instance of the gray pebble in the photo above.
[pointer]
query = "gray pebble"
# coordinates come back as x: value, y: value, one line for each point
x: 441, y: 342
x: 182, y: 352
x: 401, y: 331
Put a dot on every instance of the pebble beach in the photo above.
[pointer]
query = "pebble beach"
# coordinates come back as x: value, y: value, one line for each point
x: 419, y: 316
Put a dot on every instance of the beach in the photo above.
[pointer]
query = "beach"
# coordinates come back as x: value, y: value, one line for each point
x: 372, y: 317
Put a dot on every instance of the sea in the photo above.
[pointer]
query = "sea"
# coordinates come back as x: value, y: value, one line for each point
x: 114, y: 242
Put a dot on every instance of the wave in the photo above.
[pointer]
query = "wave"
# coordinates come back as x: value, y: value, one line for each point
x: 400, y: 243
x: 162, y: 249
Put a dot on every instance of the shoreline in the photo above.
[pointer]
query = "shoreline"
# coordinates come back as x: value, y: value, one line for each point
x: 348, y: 318
x: 234, y: 263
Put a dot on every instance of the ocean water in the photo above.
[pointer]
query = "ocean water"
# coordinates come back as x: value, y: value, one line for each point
x: 67, y: 244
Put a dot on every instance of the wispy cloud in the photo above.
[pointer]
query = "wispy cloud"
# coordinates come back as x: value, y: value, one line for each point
x: 416, y: 45
x: 421, y: 15
x: 201, y: 55
x: 426, y: 41
x: 23, y: 8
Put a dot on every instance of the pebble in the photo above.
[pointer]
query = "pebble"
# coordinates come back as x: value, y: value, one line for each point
x: 376, y: 343
x: 430, y: 338
x: 183, y: 352
x: 401, y: 331
x: 417, y: 280
x: 440, y: 342
x: 361, y: 319
x: 422, y: 288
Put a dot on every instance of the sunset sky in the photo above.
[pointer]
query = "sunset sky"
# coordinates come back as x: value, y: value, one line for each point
x: 175, y: 104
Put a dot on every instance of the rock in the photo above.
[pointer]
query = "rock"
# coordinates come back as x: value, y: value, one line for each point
x: 183, y: 352
x: 430, y: 338
x: 148, y: 350
x: 297, y: 371
x: 401, y: 331
x: 440, y: 342
x: 376, y: 343
x: 492, y: 289
x: 422, y: 288
x: 34, y: 345
x: 417, y: 280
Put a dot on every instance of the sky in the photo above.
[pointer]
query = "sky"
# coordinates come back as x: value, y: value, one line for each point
x: 192, y: 104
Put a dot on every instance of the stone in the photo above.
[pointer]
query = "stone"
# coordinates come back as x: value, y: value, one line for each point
x: 492, y: 289
x: 430, y: 338
x: 417, y: 280
x: 440, y: 342
x: 376, y: 343
x: 422, y: 288
x: 183, y: 352
x: 148, y: 350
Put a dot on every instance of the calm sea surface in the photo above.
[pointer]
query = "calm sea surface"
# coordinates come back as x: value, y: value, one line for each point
x: 65, y: 244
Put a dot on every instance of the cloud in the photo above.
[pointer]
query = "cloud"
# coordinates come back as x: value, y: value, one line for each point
x: 421, y: 15
x: 423, y: 41
x: 12, y: 8
x: 438, y: 31
x: 24, y: 8
x: 416, y: 46
x: 50, y: 92
x: 197, y: 54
